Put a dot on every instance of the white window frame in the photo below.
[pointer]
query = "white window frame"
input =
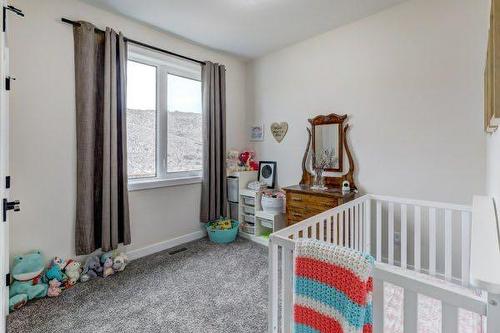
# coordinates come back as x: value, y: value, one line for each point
x: 165, y: 65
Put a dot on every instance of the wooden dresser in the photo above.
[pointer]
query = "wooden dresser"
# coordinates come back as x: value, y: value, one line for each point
x: 302, y: 202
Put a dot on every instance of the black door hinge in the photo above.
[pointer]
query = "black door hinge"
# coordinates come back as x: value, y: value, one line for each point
x: 10, y: 205
x: 7, y: 182
x: 7, y: 280
x: 8, y: 80
x: 13, y: 9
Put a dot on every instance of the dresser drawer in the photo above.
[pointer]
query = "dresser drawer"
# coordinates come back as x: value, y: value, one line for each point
x: 298, y: 214
x: 303, y: 203
x: 299, y: 200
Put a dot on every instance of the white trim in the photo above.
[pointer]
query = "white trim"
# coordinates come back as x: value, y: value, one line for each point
x: 144, y: 184
x: 165, y: 245
x: 485, y: 245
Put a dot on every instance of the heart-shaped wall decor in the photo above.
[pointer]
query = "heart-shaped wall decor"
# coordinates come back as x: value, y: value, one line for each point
x: 279, y: 130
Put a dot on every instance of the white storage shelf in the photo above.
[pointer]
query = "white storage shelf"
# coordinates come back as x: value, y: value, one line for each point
x: 256, y: 222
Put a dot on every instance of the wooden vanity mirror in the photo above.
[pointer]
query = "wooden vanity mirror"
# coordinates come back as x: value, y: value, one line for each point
x: 327, y: 142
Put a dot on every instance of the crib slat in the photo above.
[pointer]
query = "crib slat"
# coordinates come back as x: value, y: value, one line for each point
x: 410, y: 308
x: 351, y: 228
x: 287, y: 275
x: 368, y: 221
x: 378, y: 305
x: 379, y: 231
x: 450, y: 318
x: 465, y: 248
x: 447, y: 244
x: 357, y: 225
x: 391, y: 234
x: 361, y: 213
x: 352, y: 225
x: 273, y: 287
x: 322, y: 227
x: 417, y: 237
x: 404, y: 233
x: 313, y: 230
x: 335, y: 231
x: 329, y: 225
x: 342, y: 219
x: 432, y: 241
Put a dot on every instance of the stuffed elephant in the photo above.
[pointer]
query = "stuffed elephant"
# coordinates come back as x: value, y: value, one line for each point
x: 91, y: 269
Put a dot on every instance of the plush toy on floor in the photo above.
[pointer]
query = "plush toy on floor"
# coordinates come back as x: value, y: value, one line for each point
x: 54, y: 288
x: 73, y: 271
x: 59, y: 262
x: 91, y: 269
x: 27, y: 271
x: 55, y: 271
x: 119, y: 262
x: 107, y: 269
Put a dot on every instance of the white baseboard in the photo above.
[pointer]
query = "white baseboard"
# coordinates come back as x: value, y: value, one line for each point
x: 165, y: 245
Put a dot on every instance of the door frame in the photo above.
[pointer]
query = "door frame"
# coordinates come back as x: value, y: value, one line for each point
x: 4, y: 172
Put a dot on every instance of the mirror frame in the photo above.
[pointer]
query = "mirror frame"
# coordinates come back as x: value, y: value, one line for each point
x: 334, y: 181
x: 331, y: 119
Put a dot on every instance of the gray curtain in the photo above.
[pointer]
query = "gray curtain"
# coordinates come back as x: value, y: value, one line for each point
x: 213, y: 190
x: 102, y: 215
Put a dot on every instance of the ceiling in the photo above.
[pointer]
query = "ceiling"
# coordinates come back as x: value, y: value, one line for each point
x: 248, y: 28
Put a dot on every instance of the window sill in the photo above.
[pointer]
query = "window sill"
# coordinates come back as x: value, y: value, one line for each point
x: 145, y: 184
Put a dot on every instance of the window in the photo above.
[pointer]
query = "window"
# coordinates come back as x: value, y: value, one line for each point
x: 164, y: 120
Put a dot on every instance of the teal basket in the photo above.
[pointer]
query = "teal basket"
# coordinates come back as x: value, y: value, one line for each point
x: 223, y: 236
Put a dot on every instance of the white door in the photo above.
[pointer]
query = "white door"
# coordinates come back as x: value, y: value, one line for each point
x: 4, y: 172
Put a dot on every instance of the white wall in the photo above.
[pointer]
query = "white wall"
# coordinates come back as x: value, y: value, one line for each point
x: 43, y: 157
x: 411, y: 80
x: 493, y: 165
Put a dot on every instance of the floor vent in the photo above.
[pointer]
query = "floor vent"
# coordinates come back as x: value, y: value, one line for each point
x: 179, y: 250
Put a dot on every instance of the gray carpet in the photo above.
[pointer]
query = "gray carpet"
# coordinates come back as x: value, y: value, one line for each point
x: 208, y: 288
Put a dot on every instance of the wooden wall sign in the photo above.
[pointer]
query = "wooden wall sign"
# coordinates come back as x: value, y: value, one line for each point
x: 279, y: 130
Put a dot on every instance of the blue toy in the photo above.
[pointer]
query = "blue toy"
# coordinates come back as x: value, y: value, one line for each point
x: 54, y: 272
x: 26, y: 272
x: 91, y: 269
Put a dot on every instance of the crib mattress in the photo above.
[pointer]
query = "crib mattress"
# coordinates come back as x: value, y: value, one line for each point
x: 429, y: 320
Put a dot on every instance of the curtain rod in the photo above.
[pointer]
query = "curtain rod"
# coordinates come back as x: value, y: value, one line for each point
x: 65, y: 20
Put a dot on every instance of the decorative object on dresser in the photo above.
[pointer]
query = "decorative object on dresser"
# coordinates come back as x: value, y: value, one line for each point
x: 326, y: 187
x: 267, y: 173
x: 279, y: 130
x: 342, y: 147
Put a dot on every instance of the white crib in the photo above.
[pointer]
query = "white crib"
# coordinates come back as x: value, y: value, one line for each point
x: 444, y: 251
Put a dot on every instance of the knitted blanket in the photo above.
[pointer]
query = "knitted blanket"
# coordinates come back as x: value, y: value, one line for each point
x: 333, y: 289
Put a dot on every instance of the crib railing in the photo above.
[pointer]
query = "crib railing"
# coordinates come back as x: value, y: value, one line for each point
x: 410, y: 240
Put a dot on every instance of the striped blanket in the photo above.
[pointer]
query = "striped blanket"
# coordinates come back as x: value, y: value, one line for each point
x: 333, y: 289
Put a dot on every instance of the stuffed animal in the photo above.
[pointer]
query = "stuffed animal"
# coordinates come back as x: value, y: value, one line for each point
x: 55, y: 272
x: 73, y: 271
x: 105, y: 256
x: 91, y: 269
x: 119, y: 262
x: 69, y: 283
x: 26, y: 272
x: 108, y: 268
x: 247, y: 160
x: 54, y: 288
x: 59, y: 262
